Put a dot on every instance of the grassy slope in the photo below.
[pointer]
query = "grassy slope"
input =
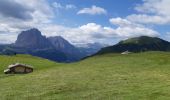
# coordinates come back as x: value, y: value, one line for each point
x: 142, y: 40
x: 142, y: 76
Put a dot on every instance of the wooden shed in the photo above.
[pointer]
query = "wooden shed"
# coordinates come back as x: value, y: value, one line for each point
x: 18, y: 69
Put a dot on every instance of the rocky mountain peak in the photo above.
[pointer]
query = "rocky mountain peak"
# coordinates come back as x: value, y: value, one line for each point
x: 32, y: 39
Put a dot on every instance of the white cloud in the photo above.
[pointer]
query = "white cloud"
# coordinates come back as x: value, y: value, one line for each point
x: 89, y: 33
x: 127, y: 32
x: 60, y: 6
x: 159, y: 7
x: 123, y: 22
x: 57, y: 5
x: 42, y: 15
x: 7, y: 38
x: 42, y: 11
x: 94, y: 10
x: 148, y: 19
x: 92, y: 32
x: 70, y: 6
x: 90, y: 28
x: 127, y: 28
x: 152, y: 12
x: 39, y: 10
x: 119, y: 21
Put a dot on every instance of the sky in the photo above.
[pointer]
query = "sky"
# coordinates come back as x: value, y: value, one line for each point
x: 85, y: 21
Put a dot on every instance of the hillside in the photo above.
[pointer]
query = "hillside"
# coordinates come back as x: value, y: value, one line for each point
x: 26, y: 59
x: 142, y: 40
x: 138, y: 44
x: 138, y: 76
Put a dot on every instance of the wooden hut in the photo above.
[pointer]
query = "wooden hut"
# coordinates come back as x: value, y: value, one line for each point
x: 18, y: 69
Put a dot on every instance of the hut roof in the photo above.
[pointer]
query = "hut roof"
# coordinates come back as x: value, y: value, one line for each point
x: 19, y: 64
x: 6, y: 70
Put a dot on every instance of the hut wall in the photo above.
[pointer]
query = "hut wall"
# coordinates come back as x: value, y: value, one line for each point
x: 28, y: 70
x: 19, y: 69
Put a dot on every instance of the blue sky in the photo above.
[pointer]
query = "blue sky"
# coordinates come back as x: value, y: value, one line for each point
x: 85, y: 21
x: 115, y: 8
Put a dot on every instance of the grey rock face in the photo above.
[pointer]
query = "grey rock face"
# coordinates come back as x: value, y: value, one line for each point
x: 32, y: 39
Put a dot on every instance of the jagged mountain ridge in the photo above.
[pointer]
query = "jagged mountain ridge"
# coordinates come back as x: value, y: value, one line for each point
x: 52, y: 48
x: 34, y: 43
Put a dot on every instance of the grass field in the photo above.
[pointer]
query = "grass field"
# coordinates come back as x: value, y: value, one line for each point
x: 141, y: 76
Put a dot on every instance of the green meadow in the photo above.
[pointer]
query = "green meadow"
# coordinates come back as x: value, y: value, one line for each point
x: 137, y: 76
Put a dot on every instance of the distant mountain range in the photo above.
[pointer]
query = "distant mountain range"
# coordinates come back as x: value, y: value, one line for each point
x: 138, y: 44
x: 58, y: 49
x: 52, y: 48
x: 91, y: 48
